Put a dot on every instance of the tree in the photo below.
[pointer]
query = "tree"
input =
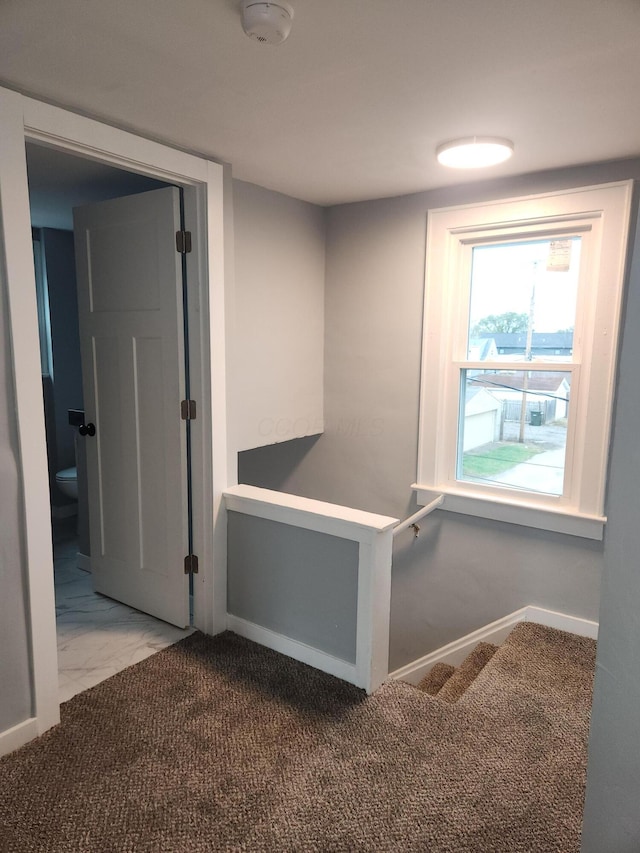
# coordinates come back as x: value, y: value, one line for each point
x: 505, y: 323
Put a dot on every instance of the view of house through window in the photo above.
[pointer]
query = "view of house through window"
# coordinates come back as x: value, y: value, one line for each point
x: 514, y: 428
x: 522, y: 308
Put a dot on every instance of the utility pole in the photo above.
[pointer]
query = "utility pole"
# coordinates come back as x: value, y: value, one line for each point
x: 527, y: 353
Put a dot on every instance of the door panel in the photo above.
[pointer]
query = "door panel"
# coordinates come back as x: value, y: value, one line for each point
x: 130, y: 312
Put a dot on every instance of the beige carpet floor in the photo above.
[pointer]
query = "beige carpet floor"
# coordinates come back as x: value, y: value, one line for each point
x: 222, y: 745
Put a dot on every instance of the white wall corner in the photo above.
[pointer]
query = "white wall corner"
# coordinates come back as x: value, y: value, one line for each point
x: 374, y: 609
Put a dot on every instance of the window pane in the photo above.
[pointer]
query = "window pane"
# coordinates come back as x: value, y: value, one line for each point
x: 523, y: 300
x: 513, y: 429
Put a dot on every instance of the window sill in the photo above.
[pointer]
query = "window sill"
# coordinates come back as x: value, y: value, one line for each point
x: 460, y: 501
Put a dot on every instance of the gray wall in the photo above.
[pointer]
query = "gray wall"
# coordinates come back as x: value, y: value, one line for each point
x: 462, y: 572
x: 277, y: 323
x: 60, y: 267
x: 296, y: 582
x: 15, y: 682
x: 612, y: 816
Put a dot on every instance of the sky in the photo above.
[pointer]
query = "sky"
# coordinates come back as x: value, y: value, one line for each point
x: 503, y: 277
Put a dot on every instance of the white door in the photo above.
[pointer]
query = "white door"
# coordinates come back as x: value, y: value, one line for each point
x: 132, y: 342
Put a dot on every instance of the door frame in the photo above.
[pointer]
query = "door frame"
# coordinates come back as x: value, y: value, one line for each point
x: 25, y: 119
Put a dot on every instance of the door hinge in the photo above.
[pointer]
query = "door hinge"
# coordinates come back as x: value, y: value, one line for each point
x: 188, y: 410
x: 183, y: 242
x: 191, y: 564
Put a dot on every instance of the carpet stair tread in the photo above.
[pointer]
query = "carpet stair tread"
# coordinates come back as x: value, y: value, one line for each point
x: 467, y: 672
x: 435, y: 679
x: 537, y: 665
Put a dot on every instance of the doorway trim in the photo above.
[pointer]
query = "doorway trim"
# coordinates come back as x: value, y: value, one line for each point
x: 24, y: 119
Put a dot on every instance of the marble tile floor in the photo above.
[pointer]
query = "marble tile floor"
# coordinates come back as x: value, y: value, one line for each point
x: 98, y: 636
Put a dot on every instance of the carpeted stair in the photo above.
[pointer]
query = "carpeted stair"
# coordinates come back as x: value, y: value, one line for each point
x: 448, y: 683
x: 220, y: 744
x: 436, y: 678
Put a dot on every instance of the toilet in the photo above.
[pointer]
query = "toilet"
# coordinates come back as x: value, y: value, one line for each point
x: 67, y: 482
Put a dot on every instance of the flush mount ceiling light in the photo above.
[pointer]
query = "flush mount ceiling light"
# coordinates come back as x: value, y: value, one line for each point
x: 474, y: 152
x: 268, y: 23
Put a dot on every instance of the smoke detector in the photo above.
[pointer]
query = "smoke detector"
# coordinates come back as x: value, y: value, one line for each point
x: 268, y: 23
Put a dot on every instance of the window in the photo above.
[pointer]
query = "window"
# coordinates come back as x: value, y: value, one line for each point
x: 522, y: 310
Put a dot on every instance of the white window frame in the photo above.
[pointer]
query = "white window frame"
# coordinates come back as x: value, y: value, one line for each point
x: 600, y: 216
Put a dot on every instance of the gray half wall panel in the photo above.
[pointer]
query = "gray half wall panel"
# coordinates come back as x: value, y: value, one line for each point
x: 295, y: 582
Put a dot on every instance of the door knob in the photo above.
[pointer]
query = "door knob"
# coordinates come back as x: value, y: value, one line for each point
x: 87, y: 429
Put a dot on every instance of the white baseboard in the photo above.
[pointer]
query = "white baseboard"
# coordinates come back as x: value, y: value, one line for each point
x: 496, y: 632
x: 17, y: 736
x: 292, y: 648
x: 454, y: 653
x: 83, y: 562
x: 563, y: 622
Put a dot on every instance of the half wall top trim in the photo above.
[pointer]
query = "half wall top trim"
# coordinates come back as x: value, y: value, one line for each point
x: 324, y: 517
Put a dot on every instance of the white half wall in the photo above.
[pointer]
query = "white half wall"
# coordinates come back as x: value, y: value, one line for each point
x: 296, y: 585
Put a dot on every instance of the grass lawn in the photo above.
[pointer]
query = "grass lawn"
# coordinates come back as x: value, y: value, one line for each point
x: 496, y: 458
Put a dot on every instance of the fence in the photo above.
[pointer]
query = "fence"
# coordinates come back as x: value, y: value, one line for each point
x: 512, y: 410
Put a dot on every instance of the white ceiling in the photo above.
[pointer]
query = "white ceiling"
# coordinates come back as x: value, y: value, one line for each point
x: 354, y: 103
